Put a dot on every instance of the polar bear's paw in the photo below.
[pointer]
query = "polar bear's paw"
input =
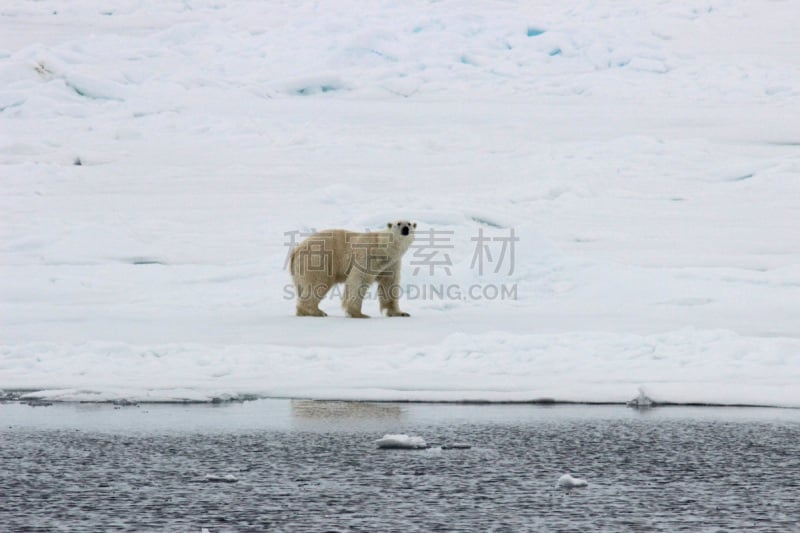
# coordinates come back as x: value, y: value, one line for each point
x: 389, y: 312
x: 311, y: 312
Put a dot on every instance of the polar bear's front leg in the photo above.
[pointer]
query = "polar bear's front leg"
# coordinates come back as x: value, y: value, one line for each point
x: 354, y: 290
x: 389, y: 292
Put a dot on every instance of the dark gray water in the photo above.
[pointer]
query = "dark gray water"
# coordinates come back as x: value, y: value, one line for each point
x: 309, y: 466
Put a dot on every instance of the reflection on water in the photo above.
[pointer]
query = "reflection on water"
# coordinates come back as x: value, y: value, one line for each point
x: 340, y: 410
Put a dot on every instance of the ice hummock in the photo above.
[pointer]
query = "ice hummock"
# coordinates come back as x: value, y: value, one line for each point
x: 642, y: 401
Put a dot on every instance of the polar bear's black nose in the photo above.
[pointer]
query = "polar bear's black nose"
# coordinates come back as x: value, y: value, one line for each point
x: 404, y: 231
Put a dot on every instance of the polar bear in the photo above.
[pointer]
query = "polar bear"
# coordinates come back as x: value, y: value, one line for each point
x: 356, y: 259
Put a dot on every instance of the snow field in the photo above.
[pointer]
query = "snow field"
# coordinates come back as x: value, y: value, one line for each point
x: 645, y: 158
x: 723, y: 368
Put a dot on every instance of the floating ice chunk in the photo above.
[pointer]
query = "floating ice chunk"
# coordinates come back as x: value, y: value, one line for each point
x: 457, y: 446
x: 568, y: 482
x: 227, y: 478
x: 642, y: 401
x: 401, y: 441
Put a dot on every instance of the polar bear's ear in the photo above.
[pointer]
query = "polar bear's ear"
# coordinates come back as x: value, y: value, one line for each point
x: 388, y: 224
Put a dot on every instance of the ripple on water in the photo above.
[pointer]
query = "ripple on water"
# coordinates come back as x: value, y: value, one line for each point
x: 644, y: 474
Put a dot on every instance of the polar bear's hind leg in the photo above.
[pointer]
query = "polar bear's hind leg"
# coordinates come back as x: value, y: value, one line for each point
x: 308, y: 298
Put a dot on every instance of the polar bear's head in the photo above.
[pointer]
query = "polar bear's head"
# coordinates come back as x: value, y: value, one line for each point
x: 402, y: 228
